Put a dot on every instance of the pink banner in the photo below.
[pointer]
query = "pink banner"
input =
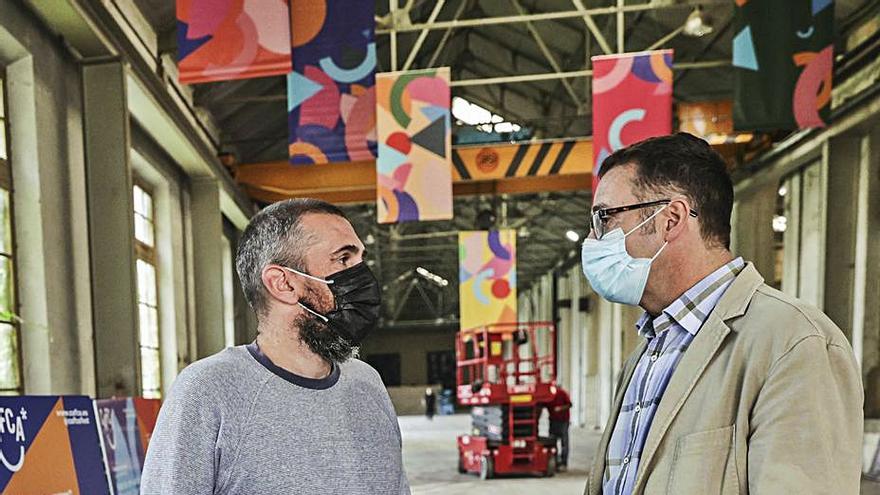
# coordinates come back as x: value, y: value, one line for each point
x: 632, y: 101
x: 218, y: 40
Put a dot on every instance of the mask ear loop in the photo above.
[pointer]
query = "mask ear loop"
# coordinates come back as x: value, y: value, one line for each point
x: 660, y: 251
x: 666, y: 243
x: 306, y: 275
x: 303, y: 306
x: 646, y: 220
x: 318, y: 315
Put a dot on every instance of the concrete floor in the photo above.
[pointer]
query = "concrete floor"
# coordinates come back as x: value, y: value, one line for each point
x: 430, y: 457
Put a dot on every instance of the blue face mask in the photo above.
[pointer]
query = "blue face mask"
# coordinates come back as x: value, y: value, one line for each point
x: 612, y: 272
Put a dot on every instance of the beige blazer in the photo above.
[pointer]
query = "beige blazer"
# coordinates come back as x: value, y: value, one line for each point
x: 766, y: 400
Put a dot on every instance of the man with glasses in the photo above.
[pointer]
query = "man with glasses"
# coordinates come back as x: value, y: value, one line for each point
x: 735, y: 387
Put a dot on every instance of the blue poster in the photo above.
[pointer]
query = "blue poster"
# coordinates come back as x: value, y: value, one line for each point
x: 49, y: 445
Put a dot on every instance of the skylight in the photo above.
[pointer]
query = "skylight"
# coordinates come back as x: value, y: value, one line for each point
x: 467, y: 113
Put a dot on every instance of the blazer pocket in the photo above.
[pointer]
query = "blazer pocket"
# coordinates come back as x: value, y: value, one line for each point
x: 704, y: 463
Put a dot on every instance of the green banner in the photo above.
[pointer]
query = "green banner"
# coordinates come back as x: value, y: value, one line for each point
x: 783, y: 58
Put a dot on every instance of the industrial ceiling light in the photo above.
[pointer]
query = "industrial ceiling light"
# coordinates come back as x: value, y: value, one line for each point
x: 697, y: 24
x: 572, y: 236
x: 780, y: 224
x: 427, y: 275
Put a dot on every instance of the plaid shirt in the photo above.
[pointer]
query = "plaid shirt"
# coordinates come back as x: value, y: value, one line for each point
x: 669, y: 336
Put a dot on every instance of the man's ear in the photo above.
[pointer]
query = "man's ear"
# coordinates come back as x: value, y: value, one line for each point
x: 676, y: 220
x: 281, y: 286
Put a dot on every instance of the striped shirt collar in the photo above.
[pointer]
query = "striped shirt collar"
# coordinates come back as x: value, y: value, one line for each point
x: 693, y: 307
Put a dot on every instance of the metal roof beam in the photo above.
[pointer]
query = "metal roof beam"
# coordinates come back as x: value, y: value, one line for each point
x: 490, y: 65
x: 718, y: 35
x: 392, y: 12
x: 594, y: 29
x: 711, y: 64
x: 546, y: 51
x: 545, y: 16
x: 515, y: 53
x: 424, y: 34
x: 447, y: 34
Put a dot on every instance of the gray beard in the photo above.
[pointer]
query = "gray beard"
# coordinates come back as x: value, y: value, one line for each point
x: 323, y: 340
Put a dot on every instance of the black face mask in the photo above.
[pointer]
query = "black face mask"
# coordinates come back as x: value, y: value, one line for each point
x: 358, y: 302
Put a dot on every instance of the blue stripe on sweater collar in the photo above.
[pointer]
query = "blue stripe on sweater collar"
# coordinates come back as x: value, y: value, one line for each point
x: 301, y: 381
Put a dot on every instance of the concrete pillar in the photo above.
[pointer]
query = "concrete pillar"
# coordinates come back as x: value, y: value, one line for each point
x: 594, y: 352
x: 563, y: 293
x: 843, y: 185
x: 867, y: 294
x: 207, y: 231
x: 578, y: 356
x: 791, y: 238
x: 867, y: 180
x: 245, y: 320
x: 811, y: 273
x: 111, y: 229
x: 547, y: 297
x: 606, y: 374
x: 754, y: 233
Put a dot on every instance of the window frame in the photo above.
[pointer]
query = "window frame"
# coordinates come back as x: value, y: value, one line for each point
x: 7, y: 184
x: 148, y: 254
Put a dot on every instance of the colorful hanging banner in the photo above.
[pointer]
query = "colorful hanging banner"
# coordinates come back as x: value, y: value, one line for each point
x: 783, y: 59
x: 126, y: 427
x: 414, y: 178
x: 232, y: 39
x: 632, y: 101
x: 50, y: 444
x: 331, y: 98
x: 487, y: 277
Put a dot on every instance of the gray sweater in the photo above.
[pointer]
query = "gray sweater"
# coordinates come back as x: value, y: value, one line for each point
x: 235, y: 423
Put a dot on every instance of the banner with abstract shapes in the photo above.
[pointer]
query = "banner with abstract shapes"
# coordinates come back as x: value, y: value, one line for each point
x: 487, y: 277
x: 414, y: 176
x: 783, y: 59
x: 50, y: 444
x: 126, y: 427
x: 632, y: 101
x: 218, y: 40
x: 331, y: 97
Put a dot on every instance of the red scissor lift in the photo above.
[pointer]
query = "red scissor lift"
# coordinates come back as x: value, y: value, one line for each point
x: 506, y: 371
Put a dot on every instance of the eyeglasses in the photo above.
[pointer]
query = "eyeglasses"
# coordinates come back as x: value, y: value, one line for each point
x: 599, y: 217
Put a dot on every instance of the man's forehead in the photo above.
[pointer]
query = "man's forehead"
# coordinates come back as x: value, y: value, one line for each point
x: 331, y: 230
x: 615, y: 188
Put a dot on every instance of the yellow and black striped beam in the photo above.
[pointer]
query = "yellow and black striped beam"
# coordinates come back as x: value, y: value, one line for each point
x: 562, y: 165
x: 493, y: 162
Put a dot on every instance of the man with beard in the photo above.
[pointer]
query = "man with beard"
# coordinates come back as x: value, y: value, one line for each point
x: 290, y: 413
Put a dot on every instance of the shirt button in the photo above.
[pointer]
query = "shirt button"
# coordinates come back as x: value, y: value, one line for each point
x: 626, y: 460
x: 653, y: 357
x: 638, y: 407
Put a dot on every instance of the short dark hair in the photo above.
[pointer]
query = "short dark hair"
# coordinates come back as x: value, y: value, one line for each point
x: 686, y: 165
x: 275, y: 236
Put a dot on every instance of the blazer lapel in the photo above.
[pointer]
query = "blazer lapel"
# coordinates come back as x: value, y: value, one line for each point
x: 598, y: 473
